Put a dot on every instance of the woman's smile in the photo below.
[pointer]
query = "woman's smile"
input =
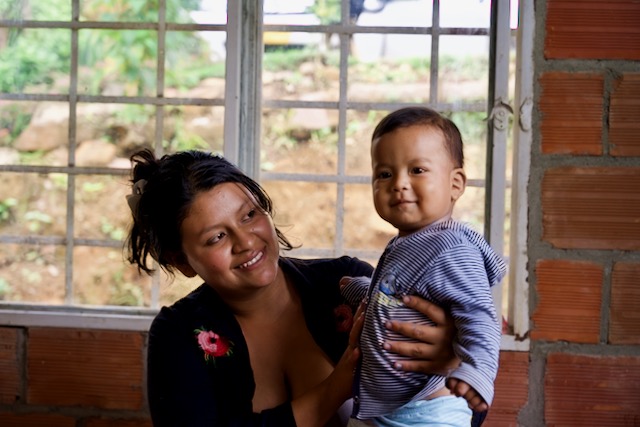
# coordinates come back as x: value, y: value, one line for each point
x: 252, y: 261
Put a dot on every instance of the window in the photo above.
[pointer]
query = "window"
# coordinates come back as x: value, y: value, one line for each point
x: 293, y: 89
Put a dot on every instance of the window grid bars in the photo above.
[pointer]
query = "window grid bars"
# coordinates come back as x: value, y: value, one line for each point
x: 345, y: 31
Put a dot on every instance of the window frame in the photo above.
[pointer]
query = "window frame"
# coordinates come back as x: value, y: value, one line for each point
x: 243, y: 109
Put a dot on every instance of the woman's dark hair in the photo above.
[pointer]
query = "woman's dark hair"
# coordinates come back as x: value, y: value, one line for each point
x: 169, y: 186
x: 412, y: 116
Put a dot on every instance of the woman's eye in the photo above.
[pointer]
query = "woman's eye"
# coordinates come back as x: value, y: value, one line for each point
x: 215, y: 239
x: 252, y: 213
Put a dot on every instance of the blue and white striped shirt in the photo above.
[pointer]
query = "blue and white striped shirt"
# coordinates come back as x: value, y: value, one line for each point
x: 451, y: 265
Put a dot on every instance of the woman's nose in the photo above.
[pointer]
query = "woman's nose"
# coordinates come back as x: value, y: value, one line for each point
x: 244, y: 239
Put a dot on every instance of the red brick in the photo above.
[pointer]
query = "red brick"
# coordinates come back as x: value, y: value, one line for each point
x: 592, y: 390
x: 624, y: 127
x: 10, y: 366
x: 572, y: 108
x: 68, y: 367
x: 591, y: 207
x: 35, y: 420
x: 569, y: 299
x: 625, y: 304
x: 118, y: 422
x: 592, y: 29
x: 512, y: 389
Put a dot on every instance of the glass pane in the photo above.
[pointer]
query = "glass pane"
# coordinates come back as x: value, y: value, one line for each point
x: 33, y: 204
x: 470, y: 208
x: 107, y: 134
x: 211, y: 44
x: 131, y: 11
x: 461, y: 46
x: 194, y: 64
x: 465, y: 13
x: 376, y: 47
x: 118, y: 62
x: 176, y: 287
x: 363, y: 228
x: 473, y: 128
x: 35, y: 60
x: 100, y: 277
x: 190, y: 127
x: 15, y: 143
x: 35, y: 10
x: 381, y: 13
x: 390, y: 79
x: 358, y: 140
x: 35, y: 133
x: 464, y: 77
x: 301, y: 140
x: 301, y: 74
x: 32, y: 273
x: 305, y: 211
x: 210, y: 12
x: 101, y: 210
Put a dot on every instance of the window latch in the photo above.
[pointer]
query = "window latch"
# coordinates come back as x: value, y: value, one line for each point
x: 500, y: 114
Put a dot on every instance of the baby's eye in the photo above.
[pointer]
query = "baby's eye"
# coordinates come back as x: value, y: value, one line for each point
x: 383, y: 175
x: 418, y: 170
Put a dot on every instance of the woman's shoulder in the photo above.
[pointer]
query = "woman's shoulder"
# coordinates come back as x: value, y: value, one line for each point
x: 341, y: 266
x: 200, y: 304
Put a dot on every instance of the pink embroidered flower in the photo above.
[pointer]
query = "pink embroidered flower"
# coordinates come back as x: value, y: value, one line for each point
x: 213, y: 344
x: 344, y: 318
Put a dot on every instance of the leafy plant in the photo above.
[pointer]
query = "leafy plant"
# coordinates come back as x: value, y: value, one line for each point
x: 5, y: 208
x: 14, y: 119
x: 5, y: 288
x: 36, y: 220
x: 114, y: 232
x: 34, y: 56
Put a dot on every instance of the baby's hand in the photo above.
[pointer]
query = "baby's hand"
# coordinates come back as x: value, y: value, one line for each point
x: 344, y: 281
x: 462, y: 389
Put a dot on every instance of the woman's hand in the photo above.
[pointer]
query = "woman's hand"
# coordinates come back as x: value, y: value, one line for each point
x: 434, y: 353
x: 318, y: 405
x: 344, y: 370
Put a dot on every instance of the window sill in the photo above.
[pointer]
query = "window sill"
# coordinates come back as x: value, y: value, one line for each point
x: 120, y: 319
x: 511, y: 343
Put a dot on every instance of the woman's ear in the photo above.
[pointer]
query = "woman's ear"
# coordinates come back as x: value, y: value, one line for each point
x: 458, y: 183
x: 180, y: 262
x: 186, y: 269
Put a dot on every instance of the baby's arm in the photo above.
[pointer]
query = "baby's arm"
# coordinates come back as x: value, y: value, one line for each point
x: 458, y: 280
x: 354, y: 289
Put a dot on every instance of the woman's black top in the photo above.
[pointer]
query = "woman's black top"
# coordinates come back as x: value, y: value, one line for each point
x: 187, y: 389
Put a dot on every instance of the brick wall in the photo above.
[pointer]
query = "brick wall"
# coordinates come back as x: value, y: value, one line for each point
x: 584, y: 259
x: 63, y: 377
x: 584, y: 220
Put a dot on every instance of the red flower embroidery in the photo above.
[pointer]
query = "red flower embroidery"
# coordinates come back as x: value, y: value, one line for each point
x: 344, y: 318
x: 213, y: 344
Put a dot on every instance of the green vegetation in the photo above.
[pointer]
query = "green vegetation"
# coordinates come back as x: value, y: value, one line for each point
x: 35, y: 56
x: 5, y: 209
x: 14, y: 119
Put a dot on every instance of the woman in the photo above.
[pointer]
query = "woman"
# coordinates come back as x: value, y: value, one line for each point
x: 266, y: 340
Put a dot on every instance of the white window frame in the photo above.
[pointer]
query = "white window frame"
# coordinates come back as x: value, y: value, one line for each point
x: 243, y: 110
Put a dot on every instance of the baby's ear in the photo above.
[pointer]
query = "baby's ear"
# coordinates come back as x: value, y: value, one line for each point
x: 458, y: 183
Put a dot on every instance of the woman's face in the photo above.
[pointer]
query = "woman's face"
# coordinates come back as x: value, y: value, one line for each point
x: 229, y: 242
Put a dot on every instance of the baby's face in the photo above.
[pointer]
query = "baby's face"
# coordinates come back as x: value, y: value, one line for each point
x: 415, y: 182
